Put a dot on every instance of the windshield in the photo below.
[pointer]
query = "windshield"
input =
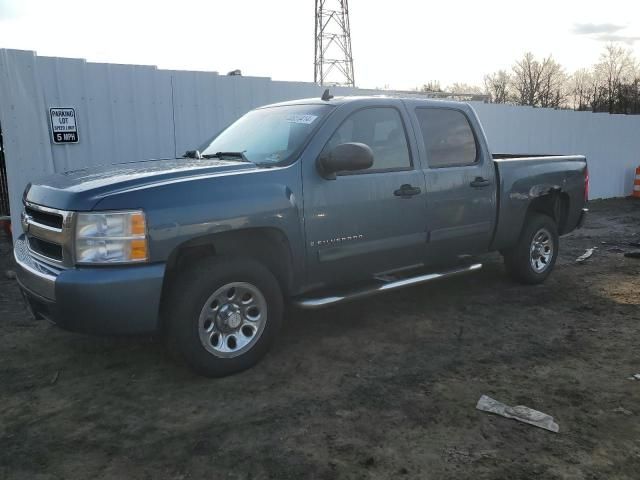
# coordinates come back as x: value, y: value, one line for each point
x: 269, y: 135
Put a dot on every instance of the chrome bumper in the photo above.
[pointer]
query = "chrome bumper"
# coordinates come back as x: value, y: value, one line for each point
x: 35, y: 276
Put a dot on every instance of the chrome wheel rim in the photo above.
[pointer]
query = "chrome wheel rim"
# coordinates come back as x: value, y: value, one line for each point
x: 232, y: 319
x: 541, y: 251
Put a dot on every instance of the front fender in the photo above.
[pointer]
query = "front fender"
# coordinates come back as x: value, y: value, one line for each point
x: 181, y: 210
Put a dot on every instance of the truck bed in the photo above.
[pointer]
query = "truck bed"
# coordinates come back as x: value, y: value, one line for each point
x: 521, y: 180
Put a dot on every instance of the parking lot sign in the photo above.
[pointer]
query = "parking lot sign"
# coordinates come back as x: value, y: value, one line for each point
x: 64, y: 128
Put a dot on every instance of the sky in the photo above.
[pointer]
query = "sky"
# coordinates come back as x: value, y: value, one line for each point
x: 399, y: 44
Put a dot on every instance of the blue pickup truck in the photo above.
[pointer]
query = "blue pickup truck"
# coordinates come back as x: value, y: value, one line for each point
x: 311, y: 203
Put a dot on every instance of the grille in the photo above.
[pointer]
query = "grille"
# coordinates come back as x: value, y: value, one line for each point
x: 45, y: 248
x: 49, y: 219
x: 49, y: 233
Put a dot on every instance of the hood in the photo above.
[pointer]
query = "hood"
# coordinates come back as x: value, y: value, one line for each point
x: 82, y: 189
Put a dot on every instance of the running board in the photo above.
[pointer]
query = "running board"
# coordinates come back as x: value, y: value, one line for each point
x: 312, y: 303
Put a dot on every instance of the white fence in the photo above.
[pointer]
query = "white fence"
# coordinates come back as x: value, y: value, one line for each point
x: 610, y: 142
x: 132, y: 112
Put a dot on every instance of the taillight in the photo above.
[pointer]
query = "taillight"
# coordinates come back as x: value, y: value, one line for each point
x: 586, y: 184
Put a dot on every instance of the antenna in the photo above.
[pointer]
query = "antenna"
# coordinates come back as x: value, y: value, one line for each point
x: 326, y: 96
x: 333, y: 59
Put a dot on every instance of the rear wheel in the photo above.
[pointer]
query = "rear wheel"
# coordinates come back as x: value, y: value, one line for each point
x: 534, y: 256
x: 223, y: 314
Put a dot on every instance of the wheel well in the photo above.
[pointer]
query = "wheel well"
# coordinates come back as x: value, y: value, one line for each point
x: 268, y: 246
x: 555, y: 205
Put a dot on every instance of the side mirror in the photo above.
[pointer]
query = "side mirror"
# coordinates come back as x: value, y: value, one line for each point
x: 343, y: 158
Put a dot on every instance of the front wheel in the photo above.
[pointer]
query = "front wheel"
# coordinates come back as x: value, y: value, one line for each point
x: 534, y: 256
x: 223, y: 314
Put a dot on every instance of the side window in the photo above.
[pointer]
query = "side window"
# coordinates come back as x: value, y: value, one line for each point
x: 448, y: 138
x: 382, y: 130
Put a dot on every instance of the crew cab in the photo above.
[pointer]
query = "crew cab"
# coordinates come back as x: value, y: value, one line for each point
x: 311, y: 202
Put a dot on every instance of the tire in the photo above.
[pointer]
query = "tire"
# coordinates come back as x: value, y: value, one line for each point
x: 533, y: 257
x: 223, y: 314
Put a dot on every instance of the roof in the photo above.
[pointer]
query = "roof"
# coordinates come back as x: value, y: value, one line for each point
x: 337, y: 101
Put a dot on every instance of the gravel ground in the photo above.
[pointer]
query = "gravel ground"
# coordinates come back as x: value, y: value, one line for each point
x: 382, y: 388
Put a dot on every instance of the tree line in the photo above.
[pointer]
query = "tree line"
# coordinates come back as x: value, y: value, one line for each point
x: 611, y: 85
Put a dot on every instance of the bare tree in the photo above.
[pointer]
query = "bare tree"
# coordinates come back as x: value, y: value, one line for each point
x: 553, y: 92
x: 496, y: 85
x: 538, y: 84
x: 629, y: 98
x: 464, y: 88
x: 615, y: 68
x: 582, y: 89
x: 525, y: 80
x: 612, y: 85
x: 432, y: 86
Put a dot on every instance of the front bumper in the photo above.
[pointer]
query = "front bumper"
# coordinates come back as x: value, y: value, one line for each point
x: 101, y: 300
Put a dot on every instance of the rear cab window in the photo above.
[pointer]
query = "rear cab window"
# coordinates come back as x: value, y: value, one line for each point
x: 448, y: 138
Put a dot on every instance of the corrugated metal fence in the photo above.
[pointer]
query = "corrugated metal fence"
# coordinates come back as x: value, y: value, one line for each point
x: 4, y: 184
x: 132, y: 112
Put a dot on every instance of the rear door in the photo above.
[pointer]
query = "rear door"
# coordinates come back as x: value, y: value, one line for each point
x: 460, y: 182
x: 369, y: 221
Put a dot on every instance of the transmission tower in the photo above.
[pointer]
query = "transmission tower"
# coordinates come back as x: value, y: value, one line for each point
x: 333, y: 59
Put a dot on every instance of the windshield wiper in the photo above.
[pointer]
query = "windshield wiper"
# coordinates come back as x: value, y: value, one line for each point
x: 192, y: 154
x: 234, y: 155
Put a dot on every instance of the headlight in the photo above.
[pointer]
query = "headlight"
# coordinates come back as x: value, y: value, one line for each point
x: 111, y: 237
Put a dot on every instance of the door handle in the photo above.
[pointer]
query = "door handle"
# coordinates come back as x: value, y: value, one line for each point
x: 406, y: 191
x: 480, y: 182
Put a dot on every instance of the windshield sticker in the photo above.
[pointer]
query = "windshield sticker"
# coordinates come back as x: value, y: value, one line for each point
x: 299, y: 118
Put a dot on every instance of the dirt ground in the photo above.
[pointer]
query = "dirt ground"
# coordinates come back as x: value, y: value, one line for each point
x: 382, y: 388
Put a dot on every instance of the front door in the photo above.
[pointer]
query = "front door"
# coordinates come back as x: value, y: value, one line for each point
x: 371, y: 221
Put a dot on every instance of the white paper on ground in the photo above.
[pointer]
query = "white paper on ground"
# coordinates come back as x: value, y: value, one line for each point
x: 519, y: 412
x: 587, y: 254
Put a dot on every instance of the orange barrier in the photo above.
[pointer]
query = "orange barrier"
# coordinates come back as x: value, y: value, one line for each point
x: 636, y: 184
